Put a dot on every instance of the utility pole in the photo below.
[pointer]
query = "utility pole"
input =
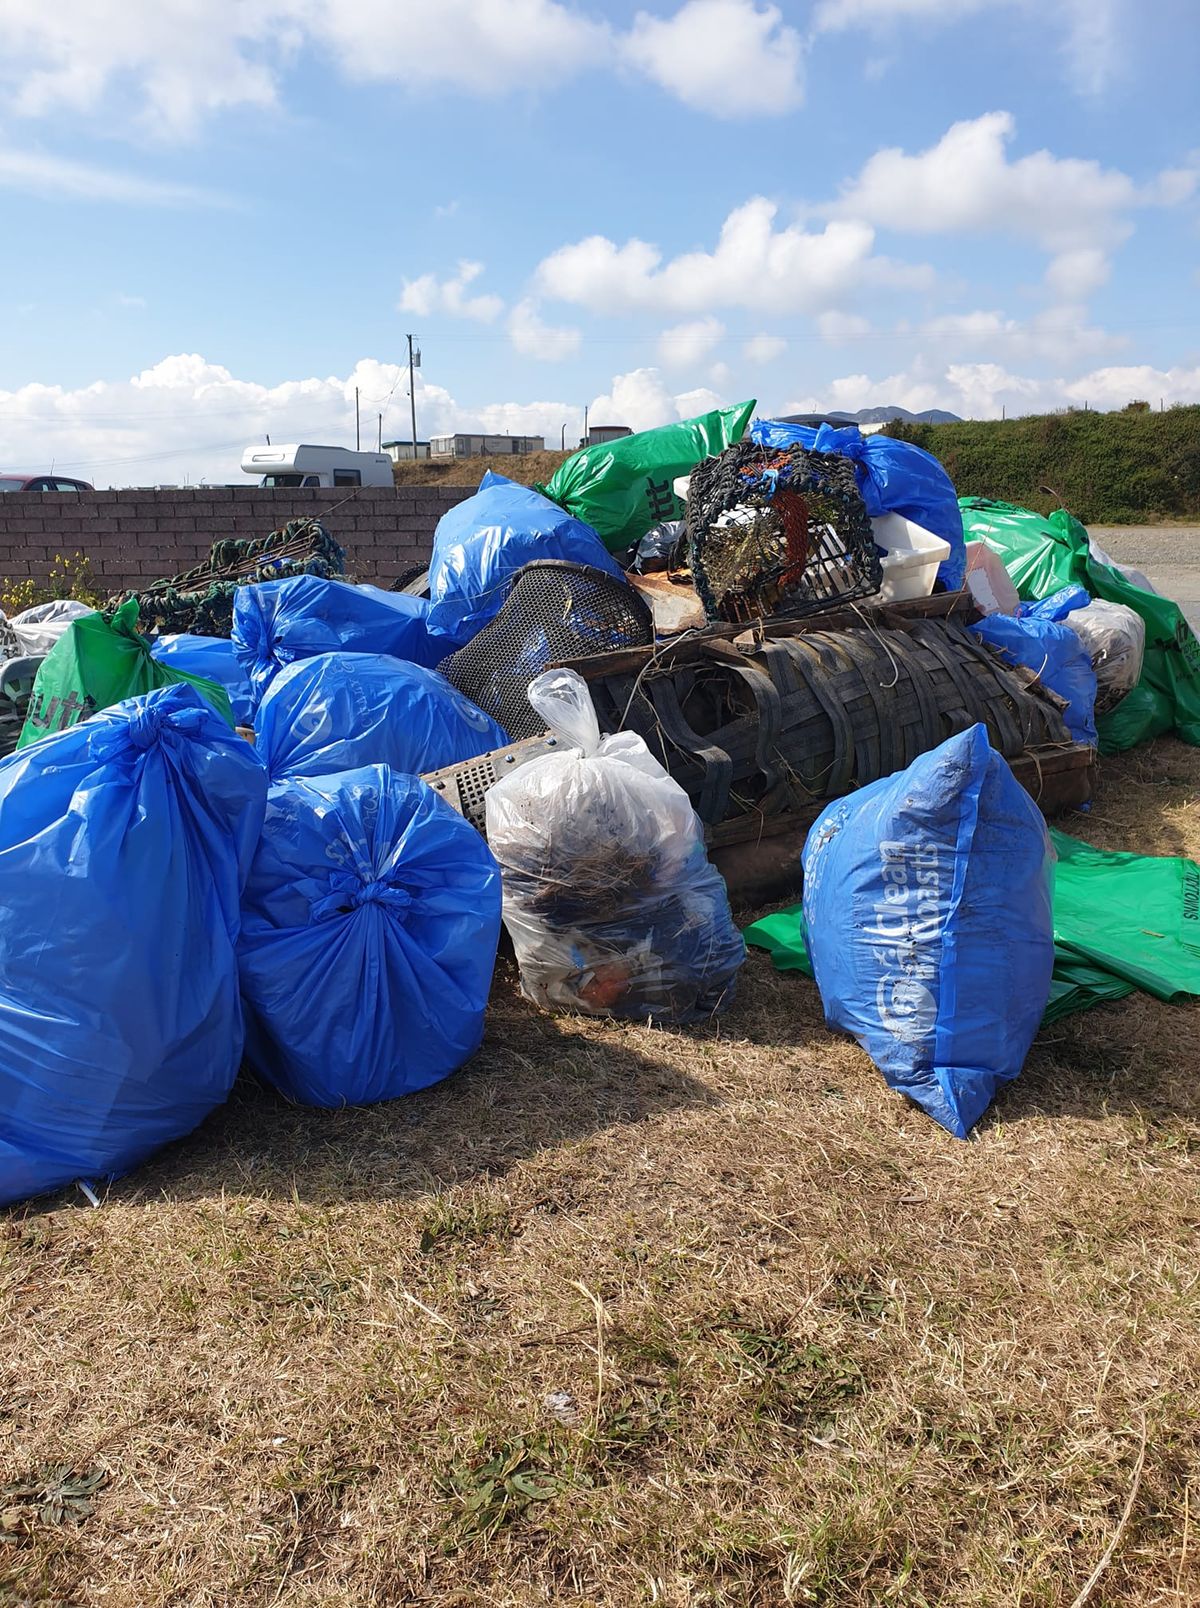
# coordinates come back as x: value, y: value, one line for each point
x: 379, y: 437
x: 357, y: 438
x: 414, y: 362
x: 584, y: 442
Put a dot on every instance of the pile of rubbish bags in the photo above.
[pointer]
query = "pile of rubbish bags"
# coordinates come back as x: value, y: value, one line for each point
x: 242, y: 863
x: 1044, y: 558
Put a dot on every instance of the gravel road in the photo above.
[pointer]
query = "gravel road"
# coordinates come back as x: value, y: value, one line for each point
x: 1168, y: 554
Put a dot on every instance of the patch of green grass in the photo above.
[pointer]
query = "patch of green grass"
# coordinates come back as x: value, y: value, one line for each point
x: 498, y: 1488
x: 785, y: 1380
x: 447, y: 1222
x: 55, y: 1495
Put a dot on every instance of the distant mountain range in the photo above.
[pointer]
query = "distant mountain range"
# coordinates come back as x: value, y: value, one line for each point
x: 883, y: 415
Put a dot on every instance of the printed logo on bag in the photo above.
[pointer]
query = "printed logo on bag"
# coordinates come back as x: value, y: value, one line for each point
x: 905, y: 938
x: 57, y: 713
x: 660, y: 498
x: 1191, y: 893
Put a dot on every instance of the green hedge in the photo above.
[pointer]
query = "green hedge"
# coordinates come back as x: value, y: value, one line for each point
x: 1107, y: 468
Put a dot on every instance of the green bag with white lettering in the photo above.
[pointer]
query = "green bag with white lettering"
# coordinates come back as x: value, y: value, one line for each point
x: 622, y: 488
x: 98, y: 661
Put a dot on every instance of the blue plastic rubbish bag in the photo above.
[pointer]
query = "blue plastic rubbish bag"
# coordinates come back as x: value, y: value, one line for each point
x: 340, y: 711
x: 369, y: 934
x: 277, y: 622
x: 927, y: 897
x: 214, y: 659
x: 1057, y: 606
x: 895, y: 477
x: 1054, y: 652
x: 124, y: 845
x: 480, y: 545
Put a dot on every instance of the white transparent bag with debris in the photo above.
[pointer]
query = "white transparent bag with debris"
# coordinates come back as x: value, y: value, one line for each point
x: 1115, y: 636
x: 40, y: 628
x: 609, y: 897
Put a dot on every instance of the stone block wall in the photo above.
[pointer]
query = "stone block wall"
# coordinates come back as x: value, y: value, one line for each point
x: 134, y: 537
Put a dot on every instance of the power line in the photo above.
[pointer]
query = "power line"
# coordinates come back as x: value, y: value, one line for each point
x: 149, y: 457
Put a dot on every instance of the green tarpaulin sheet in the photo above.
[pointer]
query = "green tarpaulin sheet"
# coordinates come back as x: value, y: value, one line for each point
x: 1121, y: 922
x: 1044, y: 555
x: 98, y: 661
x: 622, y: 488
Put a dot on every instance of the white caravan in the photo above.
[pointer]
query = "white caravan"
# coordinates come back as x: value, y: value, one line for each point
x: 295, y: 465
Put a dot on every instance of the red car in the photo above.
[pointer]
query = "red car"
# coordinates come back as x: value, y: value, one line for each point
x: 11, y: 480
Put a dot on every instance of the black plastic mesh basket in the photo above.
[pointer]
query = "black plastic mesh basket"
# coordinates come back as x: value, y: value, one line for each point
x: 555, y: 611
x: 17, y: 677
x: 778, y: 532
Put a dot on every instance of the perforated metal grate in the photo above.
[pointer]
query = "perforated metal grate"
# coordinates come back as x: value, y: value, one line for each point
x: 555, y: 611
x: 466, y: 785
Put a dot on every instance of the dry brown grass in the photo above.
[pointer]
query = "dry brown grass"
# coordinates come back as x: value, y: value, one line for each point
x: 524, y: 468
x: 623, y: 1317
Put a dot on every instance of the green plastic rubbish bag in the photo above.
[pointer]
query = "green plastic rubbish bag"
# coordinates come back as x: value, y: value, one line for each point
x: 1076, y: 985
x: 622, y: 488
x: 1121, y: 922
x: 1044, y: 555
x: 1135, y: 915
x: 98, y: 661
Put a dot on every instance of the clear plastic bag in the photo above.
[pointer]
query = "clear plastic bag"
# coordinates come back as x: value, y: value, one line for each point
x: 38, y: 629
x: 1116, y: 639
x: 609, y: 897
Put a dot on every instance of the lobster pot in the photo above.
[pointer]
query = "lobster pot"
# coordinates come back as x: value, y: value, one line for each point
x: 778, y: 533
x: 788, y: 720
x: 556, y: 610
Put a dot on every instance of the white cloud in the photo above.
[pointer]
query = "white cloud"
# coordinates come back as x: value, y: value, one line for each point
x: 838, y: 15
x: 429, y: 295
x: 487, y: 47
x: 1092, y: 42
x: 753, y: 265
x: 181, y: 59
x: 837, y: 326
x: 532, y: 338
x: 642, y: 400
x: 1056, y: 334
x: 685, y: 345
x: 730, y: 58
x: 1090, y: 31
x: 966, y: 184
x: 764, y: 348
x: 982, y: 390
x: 851, y: 392
x: 172, y: 63
x: 1073, y: 276
x: 702, y: 400
x: 188, y: 418
x: 36, y: 173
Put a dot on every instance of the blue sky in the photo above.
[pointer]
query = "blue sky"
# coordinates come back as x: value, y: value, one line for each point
x: 221, y: 215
